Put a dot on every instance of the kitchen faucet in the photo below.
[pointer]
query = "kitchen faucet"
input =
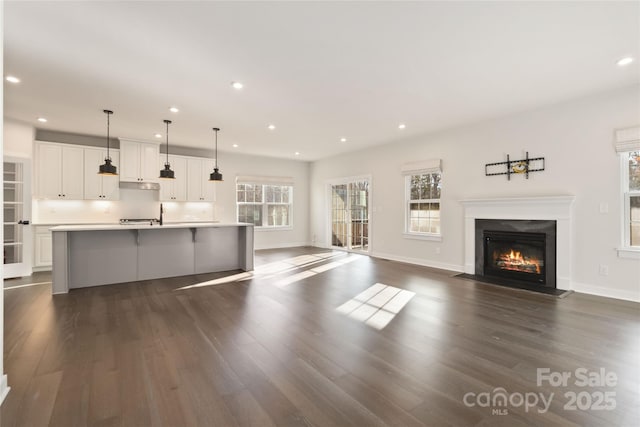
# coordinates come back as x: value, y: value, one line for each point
x: 161, y: 211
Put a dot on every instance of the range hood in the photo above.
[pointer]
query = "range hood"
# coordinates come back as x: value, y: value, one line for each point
x: 140, y: 185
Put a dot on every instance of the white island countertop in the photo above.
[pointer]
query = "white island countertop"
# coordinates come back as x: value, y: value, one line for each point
x: 155, y: 226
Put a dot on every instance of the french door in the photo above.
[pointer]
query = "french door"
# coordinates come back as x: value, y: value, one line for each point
x: 350, y: 214
x: 17, y: 215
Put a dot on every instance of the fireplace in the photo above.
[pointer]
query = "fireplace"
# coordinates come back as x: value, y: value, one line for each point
x: 551, y: 215
x: 522, y: 252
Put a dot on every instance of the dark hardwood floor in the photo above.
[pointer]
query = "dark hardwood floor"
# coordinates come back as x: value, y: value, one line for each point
x: 287, y: 346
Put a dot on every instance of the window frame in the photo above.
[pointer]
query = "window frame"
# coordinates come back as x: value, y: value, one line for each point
x: 265, y: 205
x: 418, y: 235
x: 626, y: 250
x: 626, y: 141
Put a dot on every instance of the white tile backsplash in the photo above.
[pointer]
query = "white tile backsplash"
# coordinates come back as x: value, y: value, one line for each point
x: 132, y: 204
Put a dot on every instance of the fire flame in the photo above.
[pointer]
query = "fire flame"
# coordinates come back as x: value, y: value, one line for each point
x: 515, y: 261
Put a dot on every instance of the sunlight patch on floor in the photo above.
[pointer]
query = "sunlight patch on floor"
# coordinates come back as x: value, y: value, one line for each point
x: 279, y: 268
x: 27, y: 285
x: 316, y: 270
x: 377, y: 305
x: 294, y: 278
x: 228, y: 279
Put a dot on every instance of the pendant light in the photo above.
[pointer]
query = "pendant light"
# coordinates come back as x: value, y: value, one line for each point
x: 216, y: 175
x: 167, y: 173
x: 107, y: 168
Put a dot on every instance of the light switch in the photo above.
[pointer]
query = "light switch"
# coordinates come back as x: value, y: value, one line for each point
x: 604, y: 207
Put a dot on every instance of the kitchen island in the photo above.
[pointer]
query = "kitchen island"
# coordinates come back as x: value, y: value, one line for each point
x: 93, y: 255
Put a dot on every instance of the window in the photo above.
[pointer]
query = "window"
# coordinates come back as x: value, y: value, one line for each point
x: 423, y: 184
x: 264, y: 205
x: 423, y: 205
x: 628, y: 146
x: 632, y: 198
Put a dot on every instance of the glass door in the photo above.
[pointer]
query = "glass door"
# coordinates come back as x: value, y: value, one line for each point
x: 17, y: 210
x: 350, y: 215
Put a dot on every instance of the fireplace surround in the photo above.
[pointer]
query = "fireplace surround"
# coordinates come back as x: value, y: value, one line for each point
x: 522, y: 251
x: 552, y: 208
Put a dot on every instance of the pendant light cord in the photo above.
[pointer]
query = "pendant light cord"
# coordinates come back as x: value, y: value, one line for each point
x: 216, y: 148
x: 108, y: 138
x: 108, y: 113
x: 167, y: 122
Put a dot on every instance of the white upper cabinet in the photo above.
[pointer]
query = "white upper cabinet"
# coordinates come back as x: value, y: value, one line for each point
x: 59, y: 171
x: 100, y: 187
x: 139, y: 161
x: 174, y: 190
x: 199, y: 189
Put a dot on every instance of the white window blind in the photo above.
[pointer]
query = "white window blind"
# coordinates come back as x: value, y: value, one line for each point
x: 627, y: 139
x: 422, y: 167
x: 270, y: 180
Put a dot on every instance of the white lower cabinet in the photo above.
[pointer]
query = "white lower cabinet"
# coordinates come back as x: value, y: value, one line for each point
x: 43, y: 255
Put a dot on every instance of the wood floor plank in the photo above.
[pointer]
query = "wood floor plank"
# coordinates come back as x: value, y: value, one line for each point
x: 272, y: 350
x: 37, y: 405
x: 246, y: 411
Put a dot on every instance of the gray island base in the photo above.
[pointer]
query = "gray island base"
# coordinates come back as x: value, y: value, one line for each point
x: 94, y: 255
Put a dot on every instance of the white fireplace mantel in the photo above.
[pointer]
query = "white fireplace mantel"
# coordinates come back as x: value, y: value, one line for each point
x: 558, y: 208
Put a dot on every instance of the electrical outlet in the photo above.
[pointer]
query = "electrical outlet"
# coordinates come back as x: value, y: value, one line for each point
x: 604, y: 270
x: 438, y: 250
x: 604, y: 207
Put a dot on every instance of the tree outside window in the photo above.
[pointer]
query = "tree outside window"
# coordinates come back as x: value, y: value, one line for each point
x: 633, y: 198
x: 423, y: 204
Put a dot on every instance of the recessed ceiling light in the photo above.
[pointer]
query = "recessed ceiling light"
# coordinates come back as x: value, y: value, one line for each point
x: 42, y: 120
x: 343, y: 139
x: 158, y: 135
x: 235, y: 145
x: 174, y: 109
x: 297, y: 153
x: 271, y: 127
x: 625, y: 61
x: 237, y: 85
x: 402, y: 126
x: 13, y: 79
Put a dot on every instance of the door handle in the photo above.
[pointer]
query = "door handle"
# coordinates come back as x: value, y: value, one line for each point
x: 26, y: 222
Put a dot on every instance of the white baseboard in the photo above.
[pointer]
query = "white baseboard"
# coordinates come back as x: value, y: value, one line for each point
x: 43, y: 268
x: 284, y: 245
x: 421, y: 262
x: 605, y: 292
x: 415, y: 261
x: 4, y: 388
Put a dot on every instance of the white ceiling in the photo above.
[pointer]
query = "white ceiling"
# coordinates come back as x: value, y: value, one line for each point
x: 319, y: 71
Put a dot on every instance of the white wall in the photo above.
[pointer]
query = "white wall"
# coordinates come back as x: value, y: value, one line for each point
x: 576, y: 139
x: 232, y: 165
x: 18, y: 138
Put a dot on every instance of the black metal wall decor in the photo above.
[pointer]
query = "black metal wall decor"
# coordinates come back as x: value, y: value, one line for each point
x: 510, y: 167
